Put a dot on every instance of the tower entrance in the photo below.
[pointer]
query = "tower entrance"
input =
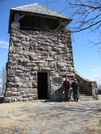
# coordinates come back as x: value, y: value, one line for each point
x: 42, y: 85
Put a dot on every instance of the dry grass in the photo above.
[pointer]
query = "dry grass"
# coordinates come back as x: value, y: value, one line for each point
x: 10, y: 116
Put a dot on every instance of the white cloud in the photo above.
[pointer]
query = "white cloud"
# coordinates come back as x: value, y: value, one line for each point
x: 97, y: 75
x: 96, y: 69
x: 4, y: 44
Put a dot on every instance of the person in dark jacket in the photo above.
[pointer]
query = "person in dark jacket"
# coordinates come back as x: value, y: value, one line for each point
x: 66, y: 86
x: 75, y: 86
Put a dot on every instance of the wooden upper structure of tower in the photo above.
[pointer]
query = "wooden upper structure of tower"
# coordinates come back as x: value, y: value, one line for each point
x: 38, y: 17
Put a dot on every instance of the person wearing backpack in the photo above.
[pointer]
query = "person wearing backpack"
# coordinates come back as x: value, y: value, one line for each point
x: 66, y: 86
x: 75, y: 86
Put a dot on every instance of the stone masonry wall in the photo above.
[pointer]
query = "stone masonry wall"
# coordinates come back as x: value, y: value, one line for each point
x: 33, y: 51
x: 89, y: 86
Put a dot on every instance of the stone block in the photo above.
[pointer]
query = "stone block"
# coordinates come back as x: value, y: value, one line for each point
x: 34, y: 91
x: 35, y: 68
x: 53, y: 38
x: 19, y: 84
x: 29, y: 95
x: 9, y: 79
x: 11, y: 72
x: 24, y: 96
x: 28, y: 91
x: 54, y: 49
x: 14, y: 79
x: 44, y: 53
x: 30, y: 84
x: 53, y: 73
x: 22, y: 92
x: 24, y: 60
x: 15, y: 93
x: 10, y: 84
x: 26, y: 79
x: 20, y: 74
x: 10, y: 43
x: 19, y: 99
x: 34, y: 72
x: 20, y: 35
x: 8, y: 93
x: 40, y: 64
x: 13, y: 100
x: 46, y: 68
x: 8, y: 89
x: 63, y: 69
x: 24, y: 99
x: 10, y: 63
x: 61, y: 65
x: 34, y: 85
x: 14, y: 89
x: 25, y: 43
x: 56, y: 57
x: 19, y: 89
x: 70, y: 69
x: 52, y: 64
x: 71, y: 75
x: 41, y: 48
x: 7, y: 99
x: 31, y: 64
x: 30, y: 98
x: 35, y: 96
x: 17, y: 49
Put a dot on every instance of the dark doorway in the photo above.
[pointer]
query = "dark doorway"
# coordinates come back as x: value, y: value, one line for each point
x: 42, y: 85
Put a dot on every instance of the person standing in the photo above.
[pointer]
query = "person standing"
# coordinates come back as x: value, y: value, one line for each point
x: 75, y: 86
x: 66, y: 86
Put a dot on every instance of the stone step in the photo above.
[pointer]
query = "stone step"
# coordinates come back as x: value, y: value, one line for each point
x: 83, y: 92
x: 86, y: 97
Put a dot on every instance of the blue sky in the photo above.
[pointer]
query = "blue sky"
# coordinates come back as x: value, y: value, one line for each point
x: 86, y: 58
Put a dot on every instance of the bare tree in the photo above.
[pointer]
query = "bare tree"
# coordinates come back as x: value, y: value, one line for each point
x: 98, y: 80
x: 86, y: 14
x: 3, y: 79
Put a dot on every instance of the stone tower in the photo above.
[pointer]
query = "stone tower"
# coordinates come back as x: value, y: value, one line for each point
x: 40, y: 54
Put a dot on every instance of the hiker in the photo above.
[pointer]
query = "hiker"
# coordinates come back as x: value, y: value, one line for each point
x: 66, y: 86
x: 75, y: 86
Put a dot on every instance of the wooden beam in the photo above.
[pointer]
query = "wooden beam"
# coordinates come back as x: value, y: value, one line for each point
x: 40, y: 22
x: 16, y: 17
x: 59, y: 27
x: 62, y: 23
x: 52, y: 22
x: 21, y: 16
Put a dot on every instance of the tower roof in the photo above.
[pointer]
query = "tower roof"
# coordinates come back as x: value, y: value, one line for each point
x: 39, y: 9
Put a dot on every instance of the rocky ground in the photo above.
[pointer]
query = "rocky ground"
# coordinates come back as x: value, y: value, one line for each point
x: 41, y: 117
